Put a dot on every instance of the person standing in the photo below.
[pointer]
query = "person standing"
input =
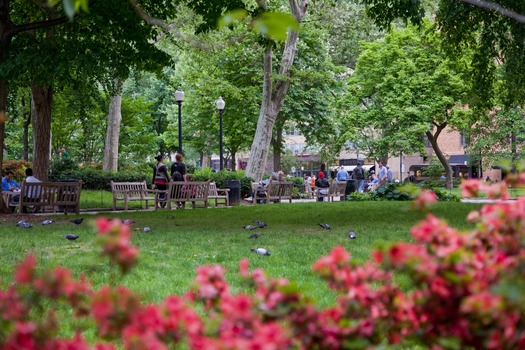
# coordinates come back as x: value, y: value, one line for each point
x: 359, y: 176
x: 381, y: 175
x: 160, y: 179
x: 322, y: 184
x: 64, y: 153
x: 178, y: 166
x: 342, y: 174
x: 389, y: 175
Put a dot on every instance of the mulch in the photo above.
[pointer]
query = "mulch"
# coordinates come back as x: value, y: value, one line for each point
x: 30, y: 218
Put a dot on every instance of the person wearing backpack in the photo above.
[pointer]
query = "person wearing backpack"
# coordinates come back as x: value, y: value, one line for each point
x: 359, y: 176
x: 323, y: 184
x: 160, y: 179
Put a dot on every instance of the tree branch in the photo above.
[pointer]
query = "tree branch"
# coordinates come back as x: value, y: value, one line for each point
x: 170, y: 28
x: 37, y: 25
x: 498, y: 8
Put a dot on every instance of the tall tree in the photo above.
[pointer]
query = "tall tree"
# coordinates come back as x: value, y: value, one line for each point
x: 274, y: 91
x: 406, y: 89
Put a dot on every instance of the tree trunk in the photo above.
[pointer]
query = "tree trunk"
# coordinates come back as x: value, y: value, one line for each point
x: 234, y: 161
x: 277, y: 143
x: 433, y: 138
x: 113, y: 129
x: 27, y: 123
x: 273, y: 96
x: 42, y: 102
x: 3, y: 118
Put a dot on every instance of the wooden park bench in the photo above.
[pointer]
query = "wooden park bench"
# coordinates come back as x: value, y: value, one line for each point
x: 180, y: 192
x: 336, y: 189
x: 50, y: 196
x: 275, y: 191
x: 218, y: 194
x: 130, y: 191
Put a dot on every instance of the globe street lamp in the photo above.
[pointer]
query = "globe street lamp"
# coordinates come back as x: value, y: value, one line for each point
x: 179, y: 97
x: 220, y: 106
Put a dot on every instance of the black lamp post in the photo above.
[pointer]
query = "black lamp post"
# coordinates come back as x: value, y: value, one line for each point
x: 179, y: 97
x: 220, y: 106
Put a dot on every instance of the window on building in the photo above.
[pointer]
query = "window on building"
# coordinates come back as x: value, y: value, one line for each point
x: 462, y: 139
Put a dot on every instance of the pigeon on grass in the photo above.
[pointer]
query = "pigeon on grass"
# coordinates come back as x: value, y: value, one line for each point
x: 77, y: 221
x: 48, y: 222
x: 325, y: 226
x: 351, y: 234
x: 260, y: 224
x: 147, y: 229
x: 255, y: 235
x: 128, y: 221
x: 23, y: 224
x: 250, y: 227
x: 261, y: 251
x: 70, y: 236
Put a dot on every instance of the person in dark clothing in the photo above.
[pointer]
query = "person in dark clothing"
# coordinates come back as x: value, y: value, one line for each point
x: 178, y: 166
x: 160, y: 179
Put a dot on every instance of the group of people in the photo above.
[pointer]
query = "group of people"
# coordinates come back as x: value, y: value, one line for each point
x: 10, y: 184
x: 161, y: 178
x: 260, y: 191
x: 384, y: 176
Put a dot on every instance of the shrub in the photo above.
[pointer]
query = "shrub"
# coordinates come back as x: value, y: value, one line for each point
x: 468, y: 291
x: 220, y: 178
x: 94, y: 179
x: 18, y: 167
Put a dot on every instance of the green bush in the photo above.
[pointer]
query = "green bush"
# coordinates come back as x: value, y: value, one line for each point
x: 220, y: 177
x: 360, y: 196
x: 92, y: 178
x: 18, y: 167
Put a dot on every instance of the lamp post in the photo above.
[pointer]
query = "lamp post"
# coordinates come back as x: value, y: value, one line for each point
x: 179, y: 97
x: 220, y: 106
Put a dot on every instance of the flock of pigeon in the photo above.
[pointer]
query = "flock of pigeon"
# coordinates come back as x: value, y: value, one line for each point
x: 69, y: 236
x: 262, y: 224
x: 258, y: 224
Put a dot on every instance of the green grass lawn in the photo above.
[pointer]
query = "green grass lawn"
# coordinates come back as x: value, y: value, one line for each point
x: 181, y: 240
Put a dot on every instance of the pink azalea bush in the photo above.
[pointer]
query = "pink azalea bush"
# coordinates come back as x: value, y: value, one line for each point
x: 468, y: 291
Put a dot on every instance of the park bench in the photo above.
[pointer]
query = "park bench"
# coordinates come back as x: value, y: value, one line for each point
x: 182, y: 192
x: 336, y: 189
x: 50, y: 196
x: 130, y: 191
x: 8, y: 199
x: 275, y: 191
x: 218, y: 194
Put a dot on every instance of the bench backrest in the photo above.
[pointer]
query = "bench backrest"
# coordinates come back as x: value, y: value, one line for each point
x: 287, y: 189
x: 133, y: 189
x: 280, y: 189
x: 50, y: 193
x: 197, y: 190
x: 337, y: 188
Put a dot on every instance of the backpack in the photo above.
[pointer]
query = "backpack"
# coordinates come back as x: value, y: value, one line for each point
x: 177, y: 176
x: 322, y: 183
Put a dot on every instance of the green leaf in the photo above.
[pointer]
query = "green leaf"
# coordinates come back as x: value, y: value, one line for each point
x: 231, y: 17
x: 275, y: 25
x: 69, y: 8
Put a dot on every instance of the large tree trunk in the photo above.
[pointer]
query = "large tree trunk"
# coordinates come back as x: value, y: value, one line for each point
x: 3, y: 118
x: 113, y: 129
x: 433, y: 138
x: 27, y: 123
x: 273, y: 96
x: 277, y: 143
x: 42, y: 102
